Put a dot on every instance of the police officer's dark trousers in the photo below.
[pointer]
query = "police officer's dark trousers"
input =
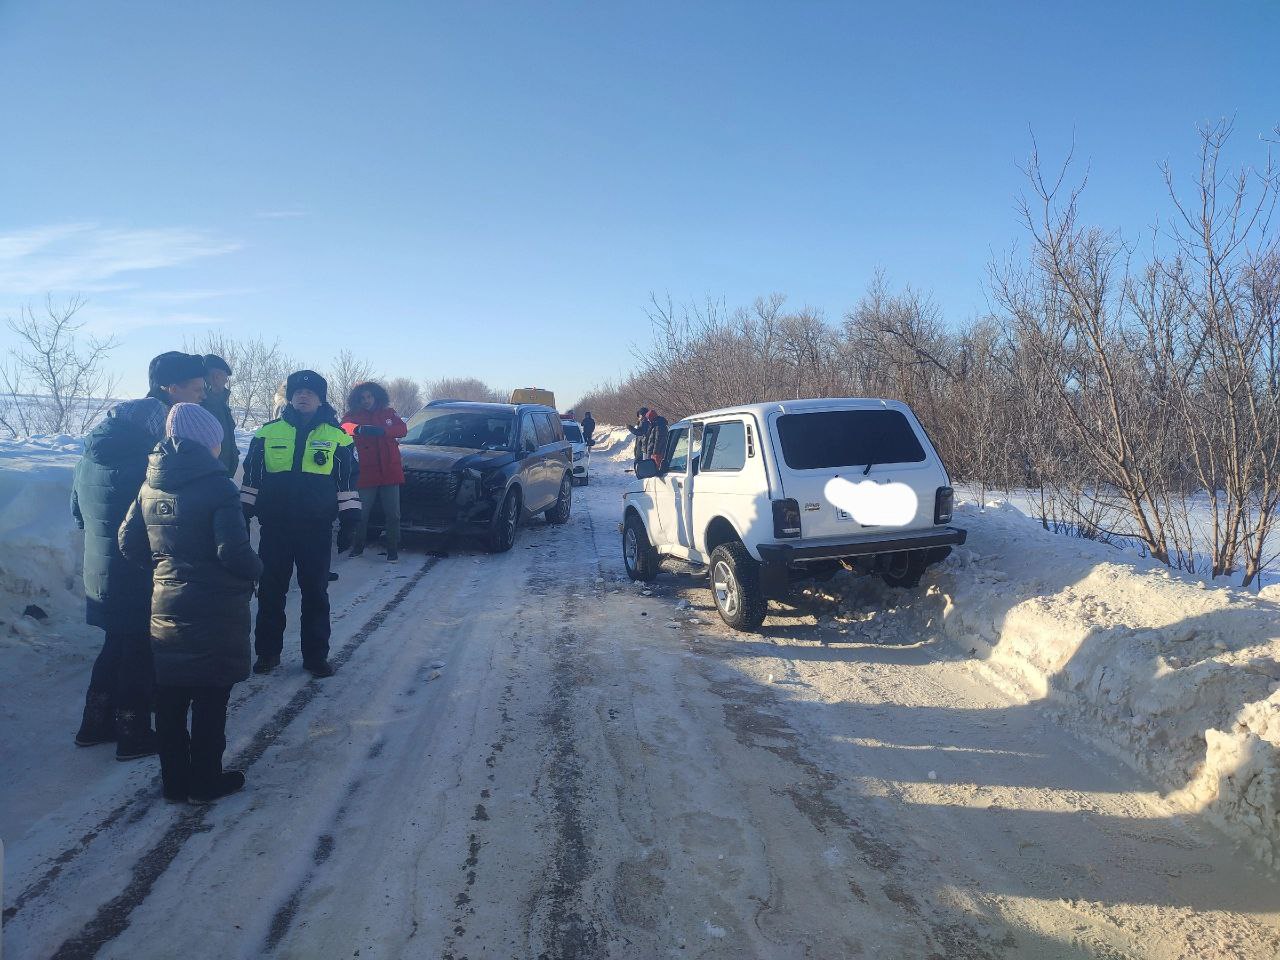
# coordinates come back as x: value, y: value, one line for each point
x: 282, y: 547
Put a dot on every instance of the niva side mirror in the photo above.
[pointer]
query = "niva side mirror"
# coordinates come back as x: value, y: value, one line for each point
x: 646, y: 469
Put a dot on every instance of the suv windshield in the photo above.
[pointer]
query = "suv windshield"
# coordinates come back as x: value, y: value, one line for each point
x: 571, y: 431
x: 847, y: 438
x: 471, y: 429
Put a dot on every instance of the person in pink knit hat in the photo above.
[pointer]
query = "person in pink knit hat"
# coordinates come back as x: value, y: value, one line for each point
x: 187, y: 525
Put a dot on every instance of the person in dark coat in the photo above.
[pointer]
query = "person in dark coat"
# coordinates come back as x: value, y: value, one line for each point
x: 376, y: 427
x: 641, y: 432
x: 117, y: 593
x: 300, y: 475
x: 655, y: 441
x: 187, y: 523
x: 588, y: 428
x: 217, y: 401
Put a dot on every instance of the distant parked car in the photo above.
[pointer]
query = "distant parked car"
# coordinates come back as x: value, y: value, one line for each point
x: 581, y: 452
x: 766, y: 493
x: 483, y: 468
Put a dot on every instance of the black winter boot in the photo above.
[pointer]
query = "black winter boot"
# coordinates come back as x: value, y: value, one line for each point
x: 266, y: 664
x: 134, y: 736
x: 98, y: 725
x: 318, y: 668
x: 228, y: 782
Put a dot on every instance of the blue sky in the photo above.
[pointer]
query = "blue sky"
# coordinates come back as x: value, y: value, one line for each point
x: 494, y: 189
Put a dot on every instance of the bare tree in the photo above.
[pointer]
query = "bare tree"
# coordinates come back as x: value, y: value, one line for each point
x: 345, y: 372
x: 258, y: 368
x: 405, y: 395
x: 54, y: 381
x: 464, y: 388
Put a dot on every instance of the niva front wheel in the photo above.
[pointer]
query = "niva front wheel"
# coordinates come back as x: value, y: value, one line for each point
x: 638, y: 555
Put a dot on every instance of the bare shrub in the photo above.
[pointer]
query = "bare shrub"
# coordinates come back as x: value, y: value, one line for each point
x: 54, y: 380
x: 464, y: 388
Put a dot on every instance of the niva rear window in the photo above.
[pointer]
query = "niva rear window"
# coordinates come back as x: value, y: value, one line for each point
x: 847, y: 438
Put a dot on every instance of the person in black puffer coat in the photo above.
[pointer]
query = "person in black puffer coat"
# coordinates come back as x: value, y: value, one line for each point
x: 117, y: 593
x: 188, y: 523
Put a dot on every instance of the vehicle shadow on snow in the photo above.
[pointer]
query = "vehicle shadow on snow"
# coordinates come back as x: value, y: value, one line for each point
x: 1113, y: 675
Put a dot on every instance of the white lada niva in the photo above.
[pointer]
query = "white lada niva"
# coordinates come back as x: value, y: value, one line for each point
x: 767, y: 493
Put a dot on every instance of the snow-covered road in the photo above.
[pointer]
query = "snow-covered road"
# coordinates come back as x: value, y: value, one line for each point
x: 525, y: 756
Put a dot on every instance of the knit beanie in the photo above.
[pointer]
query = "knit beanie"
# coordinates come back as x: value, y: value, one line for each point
x: 190, y: 421
x: 147, y: 413
x: 306, y: 380
x: 174, y: 367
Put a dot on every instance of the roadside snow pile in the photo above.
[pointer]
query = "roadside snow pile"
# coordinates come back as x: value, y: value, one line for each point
x: 613, y: 442
x: 1179, y: 678
x: 40, y: 547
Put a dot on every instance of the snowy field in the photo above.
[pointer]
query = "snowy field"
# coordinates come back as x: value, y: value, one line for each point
x: 1050, y: 749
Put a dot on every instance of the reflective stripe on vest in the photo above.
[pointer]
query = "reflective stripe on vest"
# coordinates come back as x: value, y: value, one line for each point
x: 279, y: 439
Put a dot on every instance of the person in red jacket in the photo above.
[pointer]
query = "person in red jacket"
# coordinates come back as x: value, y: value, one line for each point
x: 376, y: 427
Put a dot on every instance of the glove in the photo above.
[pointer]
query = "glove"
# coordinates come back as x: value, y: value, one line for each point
x: 248, y: 515
x: 370, y: 431
x: 346, y: 530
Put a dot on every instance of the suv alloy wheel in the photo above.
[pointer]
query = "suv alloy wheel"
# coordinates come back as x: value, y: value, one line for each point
x: 735, y: 587
x: 559, y: 512
x: 506, y: 520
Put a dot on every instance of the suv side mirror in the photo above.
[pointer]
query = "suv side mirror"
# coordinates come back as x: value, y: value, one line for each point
x: 646, y: 469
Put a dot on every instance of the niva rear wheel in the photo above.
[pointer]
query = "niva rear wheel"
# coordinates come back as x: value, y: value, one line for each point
x: 735, y: 587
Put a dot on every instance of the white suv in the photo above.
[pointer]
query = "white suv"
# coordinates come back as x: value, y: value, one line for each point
x: 581, y: 452
x: 766, y: 493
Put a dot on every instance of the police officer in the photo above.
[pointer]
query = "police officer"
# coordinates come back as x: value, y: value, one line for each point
x: 299, y: 473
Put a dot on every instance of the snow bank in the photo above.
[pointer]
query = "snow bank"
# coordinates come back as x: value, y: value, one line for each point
x: 41, y: 549
x: 1179, y: 678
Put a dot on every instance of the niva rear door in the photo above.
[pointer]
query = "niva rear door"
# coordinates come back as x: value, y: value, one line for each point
x: 856, y: 470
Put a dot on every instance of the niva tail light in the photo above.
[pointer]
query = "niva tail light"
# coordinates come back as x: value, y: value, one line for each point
x: 786, y: 519
x: 944, y: 505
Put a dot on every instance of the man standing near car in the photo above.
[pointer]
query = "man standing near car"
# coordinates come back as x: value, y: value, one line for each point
x: 218, y: 402
x: 299, y: 474
x: 376, y: 427
x: 655, y: 441
x: 588, y: 428
x: 641, y: 432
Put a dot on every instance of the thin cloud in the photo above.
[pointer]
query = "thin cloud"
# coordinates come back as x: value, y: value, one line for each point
x: 89, y: 258
x: 106, y: 321
x: 293, y: 214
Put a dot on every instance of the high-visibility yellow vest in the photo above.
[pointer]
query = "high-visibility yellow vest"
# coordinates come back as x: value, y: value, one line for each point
x: 280, y: 439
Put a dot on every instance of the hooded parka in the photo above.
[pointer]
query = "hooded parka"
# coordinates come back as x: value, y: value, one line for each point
x: 379, y: 455
x: 187, y: 522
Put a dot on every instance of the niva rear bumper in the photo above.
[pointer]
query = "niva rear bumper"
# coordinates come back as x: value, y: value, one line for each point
x: 778, y: 559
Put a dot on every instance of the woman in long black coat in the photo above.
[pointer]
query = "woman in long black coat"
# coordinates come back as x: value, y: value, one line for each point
x: 187, y: 521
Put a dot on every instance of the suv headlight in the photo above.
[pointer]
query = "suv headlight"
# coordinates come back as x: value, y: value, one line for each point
x: 579, y: 455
